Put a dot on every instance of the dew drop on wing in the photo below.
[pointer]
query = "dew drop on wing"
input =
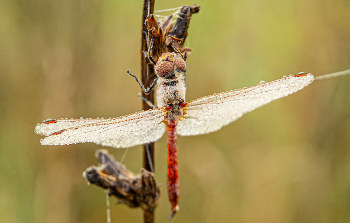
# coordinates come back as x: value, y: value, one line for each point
x: 262, y: 82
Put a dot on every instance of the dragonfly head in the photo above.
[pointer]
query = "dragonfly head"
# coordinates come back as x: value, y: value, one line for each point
x: 169, y: 64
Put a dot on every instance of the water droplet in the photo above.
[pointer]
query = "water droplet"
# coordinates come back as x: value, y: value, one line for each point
x: 262, y: 82
x: 284, y: 76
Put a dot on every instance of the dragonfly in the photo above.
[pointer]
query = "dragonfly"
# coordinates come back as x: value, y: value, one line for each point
x: 173, y: 115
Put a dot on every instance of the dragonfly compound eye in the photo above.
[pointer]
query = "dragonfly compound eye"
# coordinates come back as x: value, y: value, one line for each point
x: 180, y: 64
x: 163, y: 68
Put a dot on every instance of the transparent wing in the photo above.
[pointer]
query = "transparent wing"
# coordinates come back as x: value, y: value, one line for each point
x: 210, y: 113
x: 126, y: 131
x: 50, y: 126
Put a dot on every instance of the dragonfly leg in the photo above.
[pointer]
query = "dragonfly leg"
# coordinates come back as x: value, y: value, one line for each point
x: 146, y: 91
x: 147, y: 101
x: 171, y: 40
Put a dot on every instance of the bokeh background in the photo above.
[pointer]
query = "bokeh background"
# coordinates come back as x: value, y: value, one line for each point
x: 288, y: 161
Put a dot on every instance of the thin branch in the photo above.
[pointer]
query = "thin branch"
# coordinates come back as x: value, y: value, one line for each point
x: 147, y: 75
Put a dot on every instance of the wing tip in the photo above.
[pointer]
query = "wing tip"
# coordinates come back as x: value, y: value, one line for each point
x: 300, y: 74
x: 304, y: 74
x: 38, y: 129
x: 41, y: 128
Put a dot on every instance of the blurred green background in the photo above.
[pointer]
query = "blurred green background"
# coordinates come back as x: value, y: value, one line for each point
x: 288, y: 161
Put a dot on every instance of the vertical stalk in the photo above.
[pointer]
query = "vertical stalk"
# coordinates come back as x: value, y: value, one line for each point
x: 147, y: 75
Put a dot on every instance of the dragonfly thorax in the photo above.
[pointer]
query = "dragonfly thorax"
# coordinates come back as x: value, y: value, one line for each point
x: 174, y: 110
x: 171, y: 87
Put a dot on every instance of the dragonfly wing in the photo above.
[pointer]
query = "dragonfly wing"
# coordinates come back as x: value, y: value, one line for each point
x: 210, y: 113
x: 50, y: 126
x: 126, y: 131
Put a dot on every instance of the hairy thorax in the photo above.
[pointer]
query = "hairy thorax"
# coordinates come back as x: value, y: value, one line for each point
x: 171, y: 87
x: 171, y: 95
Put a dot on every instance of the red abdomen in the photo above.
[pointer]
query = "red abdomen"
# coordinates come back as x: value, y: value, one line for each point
x: 173, y: 176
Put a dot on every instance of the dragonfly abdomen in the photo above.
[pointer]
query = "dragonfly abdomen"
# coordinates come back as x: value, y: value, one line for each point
x: 173, y: 175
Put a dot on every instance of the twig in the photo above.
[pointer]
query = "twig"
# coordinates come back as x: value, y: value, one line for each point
x: 158, y: 39
x: 147, y: 74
